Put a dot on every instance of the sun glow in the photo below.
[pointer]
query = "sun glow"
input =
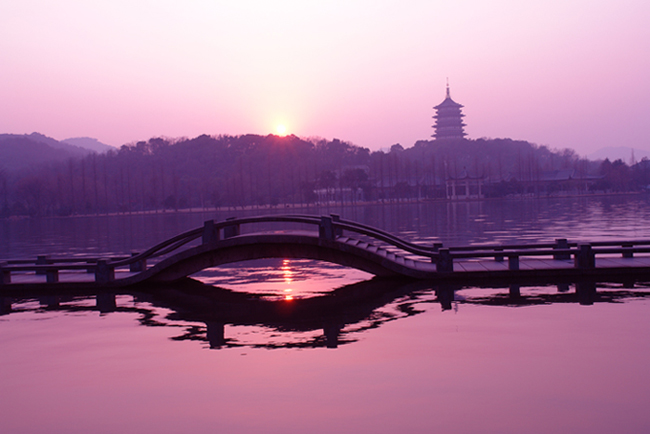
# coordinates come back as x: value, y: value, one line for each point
x: 281, y: 129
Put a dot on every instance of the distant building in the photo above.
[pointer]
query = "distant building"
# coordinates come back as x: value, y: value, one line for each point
x: 449, y: 120
x: 465, y: 187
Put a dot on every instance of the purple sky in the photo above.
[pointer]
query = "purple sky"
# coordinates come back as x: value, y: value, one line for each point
x: 559, y: 73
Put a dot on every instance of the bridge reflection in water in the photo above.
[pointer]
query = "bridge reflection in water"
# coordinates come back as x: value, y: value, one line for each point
x: 212, y: 315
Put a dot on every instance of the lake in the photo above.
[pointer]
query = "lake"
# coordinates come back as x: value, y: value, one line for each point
x: 293, y: 346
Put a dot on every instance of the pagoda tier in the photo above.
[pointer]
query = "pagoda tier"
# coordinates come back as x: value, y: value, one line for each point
x: 449, y: 120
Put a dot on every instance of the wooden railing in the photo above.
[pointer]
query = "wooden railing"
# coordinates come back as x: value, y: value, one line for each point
x: 329, y: 228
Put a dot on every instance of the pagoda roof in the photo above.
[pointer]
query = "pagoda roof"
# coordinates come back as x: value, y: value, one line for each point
x: 448, y: 102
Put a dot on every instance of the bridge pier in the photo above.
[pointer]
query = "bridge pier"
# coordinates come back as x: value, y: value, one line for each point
x: 445, y: 295
x: 332, y: 332
x: 445, y: 262
x: 106, y: 302
x: 50, y: 301
x: 586, y: 292
x: 216, y: 334
x: 5, y: 275
x: 584, y: 257
x: 104, y: 272
x: 5, y: 305
x: 514, y: 291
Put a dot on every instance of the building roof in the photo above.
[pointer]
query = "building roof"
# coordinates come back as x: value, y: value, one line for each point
x: 448, y: 102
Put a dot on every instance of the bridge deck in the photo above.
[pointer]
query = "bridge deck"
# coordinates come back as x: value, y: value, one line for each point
x: 346, y: 243
x: 64, y: 277
x: 462, y: 267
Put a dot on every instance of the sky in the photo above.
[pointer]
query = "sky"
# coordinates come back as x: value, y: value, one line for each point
x: 561, y: 73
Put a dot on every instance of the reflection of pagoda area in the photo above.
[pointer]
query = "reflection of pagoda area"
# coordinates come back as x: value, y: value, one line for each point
x: 325, y: 321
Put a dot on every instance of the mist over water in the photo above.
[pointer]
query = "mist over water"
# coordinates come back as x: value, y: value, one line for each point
x: 303, y: 346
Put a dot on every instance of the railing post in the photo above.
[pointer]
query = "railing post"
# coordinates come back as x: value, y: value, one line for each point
x: 104, y: 272
x: 498, y: 257
x: 52, y: 275
x: 210, y: 233
x: 335, y: 219
x: 627, y: 250
x: 584, y: 257
x: 325, y: 228
x: 231, y: 231
x: 5, y: 274
x: 41, y: 260
x: 137, y: 266
x: 445, y: 261
x: 561, y: 244
x: 437, y: 246
x: 513, y: 261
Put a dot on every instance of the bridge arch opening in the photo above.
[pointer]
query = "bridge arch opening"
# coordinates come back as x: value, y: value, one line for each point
x: 279, y: 278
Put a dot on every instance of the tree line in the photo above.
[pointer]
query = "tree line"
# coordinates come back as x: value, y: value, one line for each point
x: 261, y: 171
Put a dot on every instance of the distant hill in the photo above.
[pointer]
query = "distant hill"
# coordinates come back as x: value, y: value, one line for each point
x: 619, y: 153
x: 89, y: 143
x: 72, y: 150
x: 19, y: 151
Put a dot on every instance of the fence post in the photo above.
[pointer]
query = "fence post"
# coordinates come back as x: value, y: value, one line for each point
x: 445, y: 261
x: 104, y: 272
x: 41, y: 260
x: 5, y: 274
x: 210, y: 233
x: 561, y: 244
x: 325, y: 228
x: 437, y: 246
x: 52, y: 275
x: 232, y: 230
x: 335, y: 219
x: 137, y: 266
x: 513, y: 261
x: 584, y: 257
x: 627, y: 250
x: 498, y: 258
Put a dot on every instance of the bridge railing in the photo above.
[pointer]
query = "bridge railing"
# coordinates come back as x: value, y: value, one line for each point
x: 329, y: 227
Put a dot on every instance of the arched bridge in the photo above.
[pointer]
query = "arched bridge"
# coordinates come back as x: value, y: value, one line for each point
x: 331, y: 239
x: 371, y: 250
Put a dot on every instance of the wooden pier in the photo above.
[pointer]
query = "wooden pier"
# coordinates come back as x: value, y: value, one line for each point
x: 331, y: 239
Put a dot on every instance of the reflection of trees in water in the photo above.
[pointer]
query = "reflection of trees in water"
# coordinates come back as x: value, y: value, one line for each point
x: 202, y: 312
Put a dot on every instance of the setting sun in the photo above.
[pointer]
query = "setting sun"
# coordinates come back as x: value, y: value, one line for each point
x: 281, y: 129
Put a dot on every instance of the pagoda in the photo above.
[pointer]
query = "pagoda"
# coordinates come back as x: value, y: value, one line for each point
x: 449, y: 120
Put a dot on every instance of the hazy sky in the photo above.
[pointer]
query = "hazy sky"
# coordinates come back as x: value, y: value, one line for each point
x: 564, y: 73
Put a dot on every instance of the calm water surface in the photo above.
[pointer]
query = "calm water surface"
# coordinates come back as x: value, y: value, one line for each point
x: 301, y: 346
